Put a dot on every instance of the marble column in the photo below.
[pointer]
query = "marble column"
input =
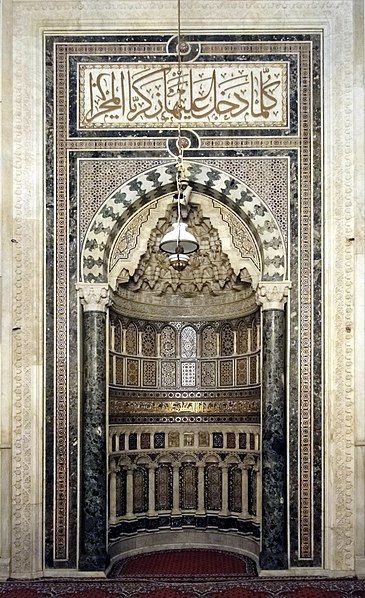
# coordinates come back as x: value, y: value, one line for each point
x: 274, y: 542
x: 113, y: 470
x: 130, y: 494
x: 93, y: 503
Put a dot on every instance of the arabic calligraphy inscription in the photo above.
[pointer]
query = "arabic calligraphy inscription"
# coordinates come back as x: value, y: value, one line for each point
x: 121, y: 95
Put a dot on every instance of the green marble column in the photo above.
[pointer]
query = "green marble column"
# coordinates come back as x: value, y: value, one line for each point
x: 274, y: 540
x: 93, y: 503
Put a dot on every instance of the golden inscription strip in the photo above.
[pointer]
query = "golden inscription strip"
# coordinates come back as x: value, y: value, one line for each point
x: 118, y: 407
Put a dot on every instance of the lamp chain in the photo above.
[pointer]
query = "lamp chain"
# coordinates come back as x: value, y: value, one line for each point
x: 180, y: 148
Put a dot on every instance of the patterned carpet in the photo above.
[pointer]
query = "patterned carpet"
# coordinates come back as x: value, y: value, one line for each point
x: 185, y: 574
x: 245, y: 588
x: 185, y: 564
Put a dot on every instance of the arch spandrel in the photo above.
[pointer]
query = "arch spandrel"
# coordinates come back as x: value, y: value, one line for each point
x: 160, y: 181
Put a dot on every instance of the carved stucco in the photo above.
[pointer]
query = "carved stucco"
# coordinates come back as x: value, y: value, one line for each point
x: 133, y: 239
x: 28, y: 20
x: 141, y: 271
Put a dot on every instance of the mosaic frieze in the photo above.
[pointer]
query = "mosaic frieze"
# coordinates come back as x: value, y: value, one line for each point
x: 226, y: 372
x: 132, y: 372
x: 226, y: 340
x: 131, y: 340
x: 188, y: 343
x: 119, y: 376
x: 149, y: 341
x: 242, y: 371
x: 188, y: 373
x: 209, y: 342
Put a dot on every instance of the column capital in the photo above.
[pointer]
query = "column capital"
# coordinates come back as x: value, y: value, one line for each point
x: 113, y: 467
x: 273, y: 294
x: 94, y: 296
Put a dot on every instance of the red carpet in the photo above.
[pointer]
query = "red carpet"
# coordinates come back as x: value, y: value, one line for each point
x: 192, y: 573
x: 186, y: 563
x: 239, y: 588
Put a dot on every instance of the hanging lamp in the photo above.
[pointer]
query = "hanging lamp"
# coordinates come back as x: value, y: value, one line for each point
x: 178, y: 242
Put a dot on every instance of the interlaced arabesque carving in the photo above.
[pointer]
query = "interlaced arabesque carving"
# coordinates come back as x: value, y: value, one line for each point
x: 208, y: 271
x: 268, y: 177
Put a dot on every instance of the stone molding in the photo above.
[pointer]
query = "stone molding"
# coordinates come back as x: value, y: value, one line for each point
x: 22, y: 530
x: 93, y: 296
x: 273, y: 295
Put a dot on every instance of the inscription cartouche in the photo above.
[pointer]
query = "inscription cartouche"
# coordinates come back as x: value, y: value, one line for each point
x: 122, y: 95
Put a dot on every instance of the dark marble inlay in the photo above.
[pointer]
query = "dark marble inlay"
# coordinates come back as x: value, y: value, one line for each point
x: 93, y: 555
x: 245, y: 527
x: 274, y: 553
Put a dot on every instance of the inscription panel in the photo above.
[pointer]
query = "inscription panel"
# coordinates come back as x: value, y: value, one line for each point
x: 124, y: 95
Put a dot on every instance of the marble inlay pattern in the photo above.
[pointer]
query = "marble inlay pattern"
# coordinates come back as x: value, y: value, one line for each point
x: 304, y: 242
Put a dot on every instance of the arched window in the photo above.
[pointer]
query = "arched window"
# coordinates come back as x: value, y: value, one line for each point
x: 168, y: 342
x: 149, y: 341
x: 117, y: 336
x: 227, y: 340
x: 242, y: 338
x: 209, y: 342
x: 131, y: 344
x: 254, y: 336
x: 188, y: 342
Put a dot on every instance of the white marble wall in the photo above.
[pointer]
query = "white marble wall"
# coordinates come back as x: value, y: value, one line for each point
x: 21, y: 464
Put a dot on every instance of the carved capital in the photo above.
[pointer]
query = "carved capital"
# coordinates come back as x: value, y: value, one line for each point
x: 273, y: 295
x: 93, y: 296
